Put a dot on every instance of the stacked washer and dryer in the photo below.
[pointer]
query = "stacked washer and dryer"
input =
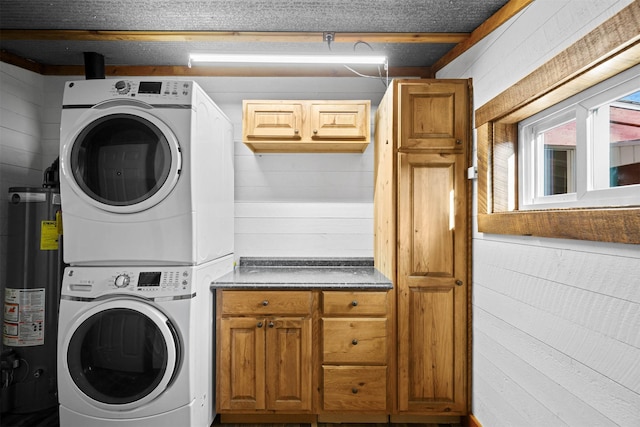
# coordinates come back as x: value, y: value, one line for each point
x: 146, y: 185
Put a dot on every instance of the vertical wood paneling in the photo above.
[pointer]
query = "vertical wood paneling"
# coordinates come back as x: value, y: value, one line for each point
x: 555, y: 322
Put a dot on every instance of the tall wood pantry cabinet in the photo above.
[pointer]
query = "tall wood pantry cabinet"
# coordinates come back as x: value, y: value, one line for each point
x: 421, y: 211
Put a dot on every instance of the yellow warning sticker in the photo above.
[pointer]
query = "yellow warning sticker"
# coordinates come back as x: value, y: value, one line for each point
x: 49, y: 236
x: 59, y: 222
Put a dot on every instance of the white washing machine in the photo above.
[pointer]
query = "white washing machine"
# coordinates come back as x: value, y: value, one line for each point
x: 136, y: 345
x: 146, y: 167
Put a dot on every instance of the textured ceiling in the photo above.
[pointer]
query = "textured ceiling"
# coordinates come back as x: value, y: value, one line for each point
x: 361, y: 16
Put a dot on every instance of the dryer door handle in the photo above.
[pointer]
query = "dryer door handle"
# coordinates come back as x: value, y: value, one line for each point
x: 110, y: 103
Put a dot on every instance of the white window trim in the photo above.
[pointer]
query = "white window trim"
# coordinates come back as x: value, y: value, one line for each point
x: 589, y: 191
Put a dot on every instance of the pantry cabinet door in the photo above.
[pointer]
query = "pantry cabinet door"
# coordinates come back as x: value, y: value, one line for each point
x: 432, y: 283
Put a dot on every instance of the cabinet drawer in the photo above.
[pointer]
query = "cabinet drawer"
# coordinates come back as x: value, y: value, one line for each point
x: 355, y: 388
x: 266, y: 302
x: 354, y: 303
x: 359, y: 341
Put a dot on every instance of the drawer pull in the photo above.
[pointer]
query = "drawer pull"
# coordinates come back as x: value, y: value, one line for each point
x: 259, y: 325
x: 265, y: 303
x: 354, y: 342
x: 354, y: 303
x: 354, y: 390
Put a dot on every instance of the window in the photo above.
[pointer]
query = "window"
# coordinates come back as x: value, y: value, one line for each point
x: 584, y: 151
x: 608, y: 50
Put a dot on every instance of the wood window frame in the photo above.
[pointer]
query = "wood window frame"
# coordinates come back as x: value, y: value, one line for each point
x: 609, y: 49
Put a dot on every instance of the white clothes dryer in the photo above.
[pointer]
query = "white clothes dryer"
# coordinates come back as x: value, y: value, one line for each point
x: 146, y: 174
x: 136, y: 345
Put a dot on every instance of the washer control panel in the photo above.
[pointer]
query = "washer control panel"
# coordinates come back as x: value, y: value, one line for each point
x: 144, y: 281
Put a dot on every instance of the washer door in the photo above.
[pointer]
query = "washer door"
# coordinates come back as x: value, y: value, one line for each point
x: 122, y: 354
x: 122, y: 159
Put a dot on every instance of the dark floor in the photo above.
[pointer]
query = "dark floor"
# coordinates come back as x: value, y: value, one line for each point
x: 46, y: 418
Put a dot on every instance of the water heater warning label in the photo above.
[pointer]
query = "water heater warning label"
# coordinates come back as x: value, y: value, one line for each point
x: 23, y: 317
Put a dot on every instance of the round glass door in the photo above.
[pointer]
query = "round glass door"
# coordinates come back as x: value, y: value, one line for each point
x: 123, y: 353
x: 124, y: 162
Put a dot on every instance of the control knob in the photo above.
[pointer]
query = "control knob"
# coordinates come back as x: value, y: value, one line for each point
x: 122, y: 87
x: 122, y: 281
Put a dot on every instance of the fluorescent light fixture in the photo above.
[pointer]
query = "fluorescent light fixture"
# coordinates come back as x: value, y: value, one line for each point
x: 260, y: 58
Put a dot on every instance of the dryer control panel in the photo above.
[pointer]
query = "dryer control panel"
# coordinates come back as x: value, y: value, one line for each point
x: 149, y: 282
x: 177, y: 93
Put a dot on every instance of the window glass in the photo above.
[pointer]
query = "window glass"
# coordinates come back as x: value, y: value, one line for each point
x: 559, y: 146
x: 624, y: 137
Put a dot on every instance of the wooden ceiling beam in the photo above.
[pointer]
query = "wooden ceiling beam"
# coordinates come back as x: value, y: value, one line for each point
x: 234, y: 71
x: 229, y: 36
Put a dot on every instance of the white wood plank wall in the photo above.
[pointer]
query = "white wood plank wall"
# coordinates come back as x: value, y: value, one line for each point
x: 555, y: 323
x: 21, y: 105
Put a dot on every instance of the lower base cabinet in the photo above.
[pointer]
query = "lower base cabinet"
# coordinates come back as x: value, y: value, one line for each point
x: 265, y: 352
x: 299, y: 356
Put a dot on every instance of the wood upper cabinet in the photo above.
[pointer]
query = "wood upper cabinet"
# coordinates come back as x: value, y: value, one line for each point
x: 265, y: 351
x: 421, y: 217
x: 306, y: 126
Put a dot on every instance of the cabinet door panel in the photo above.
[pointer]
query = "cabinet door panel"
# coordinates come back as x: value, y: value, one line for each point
x: 434, y: 115
x: 275, y: 121
x: 242, y: 363
x: 288, y: 364
x: 432, y: 217
x: 432, y: 282
x: 339, y: 121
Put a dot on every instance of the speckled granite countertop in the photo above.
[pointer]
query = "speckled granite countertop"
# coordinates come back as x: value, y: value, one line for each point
x: 304, y: 273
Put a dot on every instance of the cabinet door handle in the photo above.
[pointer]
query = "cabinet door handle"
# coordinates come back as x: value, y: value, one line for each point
x: 315, y: 131
x: 271, y: 324
x: 354, y: 341
x: 459, y: 282
x: 296, y: 131
x: 259, y: 325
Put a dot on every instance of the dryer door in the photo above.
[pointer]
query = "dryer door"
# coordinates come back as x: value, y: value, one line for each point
x: 122, y: 159
x: 122, y: 354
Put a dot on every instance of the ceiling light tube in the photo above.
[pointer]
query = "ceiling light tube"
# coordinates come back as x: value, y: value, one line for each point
x: 259, y: 58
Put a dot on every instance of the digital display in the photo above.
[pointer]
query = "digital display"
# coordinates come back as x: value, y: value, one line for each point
x: 149, y: 278
x: 150, y: 87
